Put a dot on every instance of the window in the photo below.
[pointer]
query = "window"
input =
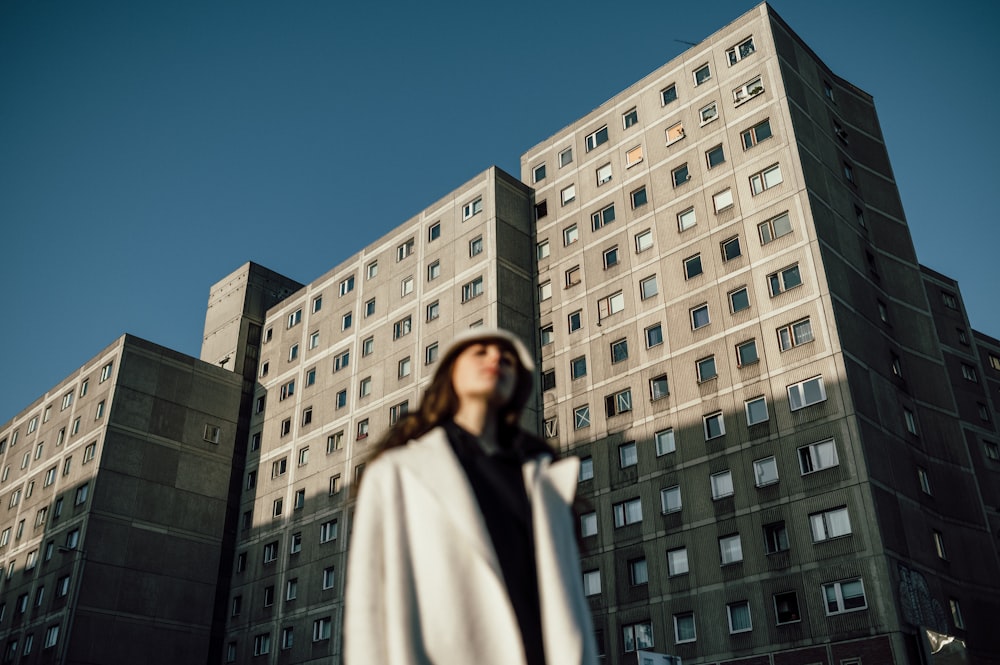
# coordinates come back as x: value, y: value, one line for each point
x: 924, y: 479
x: 991, y: 450
x: 670, y: 499
x: 740, y: 51
x: 845, y: 596
x: 287, y: 390
x: 548, y: 379
x: 699, y: 317
x: 680, y: 175
x: 619, y: 350
x: 765, y: 471
x: 597, y: 138
x: 472, y: 208
x: 321, y: 629
x: 588, y: 524
x: 578, y: 367
x: 591, y: 582
x: 637, y: 636
x: 775, y: 537
x: 286, y: 427
x: 648, y: 287
x: 328, y: 531
x: 702, y: 74
x: 317, y: 303
x: 370, y: 307
x: 627, y: 455
x: 692, y: 266
x: 784, y: 279
x: 294, y: 318
x: 714, y: 425
x: 406, y: 286
x: 668, y: 94
x: 402, y: 327
x: 303, y: 455
x: 346, y: 321
x: 50, y: 477
x: 722, y: 484
x: 638, y: 572
x: 684, y: 628
x: 953, y: 606
x: 603, y: 217
x: 404, y: 367
x: 739, y: 617
x: 581, y: 417
x: 723, y: 200
x: 756, y: 134
x: 586, y: 469
x: 575, y: 320
x: 310, y: 377
x: 618, y: 403
x: 818, y: 456
x: 80, y: 497
x: 730, y: 549
x: 271, y: 551
x: 371, y: 270
x: 969, y: 373
x: 709, y: 113
x: 472, y: 289
x: 542, y: 250
x: 287, y: 637
x: 756, y: 410
x: 766, y: 179
x: 565, y: 157
x: 795, y: 334
x: 67, y: 401
x: 328, y: 577
x: 639, y: 198
x: 570, y: 235
x: 627, y: 512
x: 686, y: 219
x: 937, y: 536
x: 677, y: 562
x: 341, y: 361
x: 806, y: 393
x: 654, y: 335
x: 731, y: 248
x: 335, y: 484
x: 279, y: 467
x: 541, y: 209
x: 949, y: 299
x: 611, y: 257
x: 403, y: 250
x: 538, y: 173
x: 572, y: 276
x: 262, y: 644
x: 633, y: 156
x: 643, y: 241
x: 774, y: 228
x: 551, y: 426
x: 603, y: 174
x: 715, y: 156
x: 362, y: 430
x: 705, y: 369
x: 612, y: 304
x: 431, y: 353
x: 675, y: 132
x: 347, y: 285
x: 739, y: 300
x: 849, y: 173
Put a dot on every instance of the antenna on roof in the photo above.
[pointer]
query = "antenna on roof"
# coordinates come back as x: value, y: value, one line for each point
x: 684, y: 42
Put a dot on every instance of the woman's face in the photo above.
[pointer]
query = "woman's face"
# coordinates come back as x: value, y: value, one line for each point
x: 485, y: 370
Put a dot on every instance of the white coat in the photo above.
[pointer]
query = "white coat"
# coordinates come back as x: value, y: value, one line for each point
x: 423, y: 581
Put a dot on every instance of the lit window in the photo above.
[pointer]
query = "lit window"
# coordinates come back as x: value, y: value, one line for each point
x: 783, y: 280
x: 597, y: 138
x: 806, y: 393
x: 472, y: 208
x: 845, y: 596
x: 818, y: 456
x: 680, y: 175
x: 714, y: 425
x: 603, y: 217
x: 570, y: 235
x: 668, y: 94
x: 627, y: 455
x: 627, y: 512
x: 633, y: 156
x: 722, y: 484
x: 686, y: 219
x: 643, y: 241
x: 756, y: 410
x: 675, y: 132
x: 775, y: 228
x: 730, y: 549
x: 677, y: 562
x: 664, y: 442
x: 670, y: 499
x: 756, y: 134
x: 766, y: 179
x: 723, y: 200
x: 702, y: 74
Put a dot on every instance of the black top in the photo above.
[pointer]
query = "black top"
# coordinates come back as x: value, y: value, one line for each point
x: 498, y: 482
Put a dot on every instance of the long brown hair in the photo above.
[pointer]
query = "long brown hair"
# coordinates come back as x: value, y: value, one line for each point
x: 440, y: 403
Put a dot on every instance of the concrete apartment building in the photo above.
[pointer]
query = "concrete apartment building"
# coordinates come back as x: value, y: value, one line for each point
x: 114, y: 494
x: 787, y: 424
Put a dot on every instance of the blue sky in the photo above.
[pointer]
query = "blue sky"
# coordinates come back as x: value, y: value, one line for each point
x: 149, y: 149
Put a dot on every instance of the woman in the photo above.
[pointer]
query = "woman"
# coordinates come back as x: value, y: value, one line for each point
x: 463, y: 548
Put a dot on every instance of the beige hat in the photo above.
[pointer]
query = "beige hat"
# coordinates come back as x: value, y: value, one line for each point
x: 484, y: 334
